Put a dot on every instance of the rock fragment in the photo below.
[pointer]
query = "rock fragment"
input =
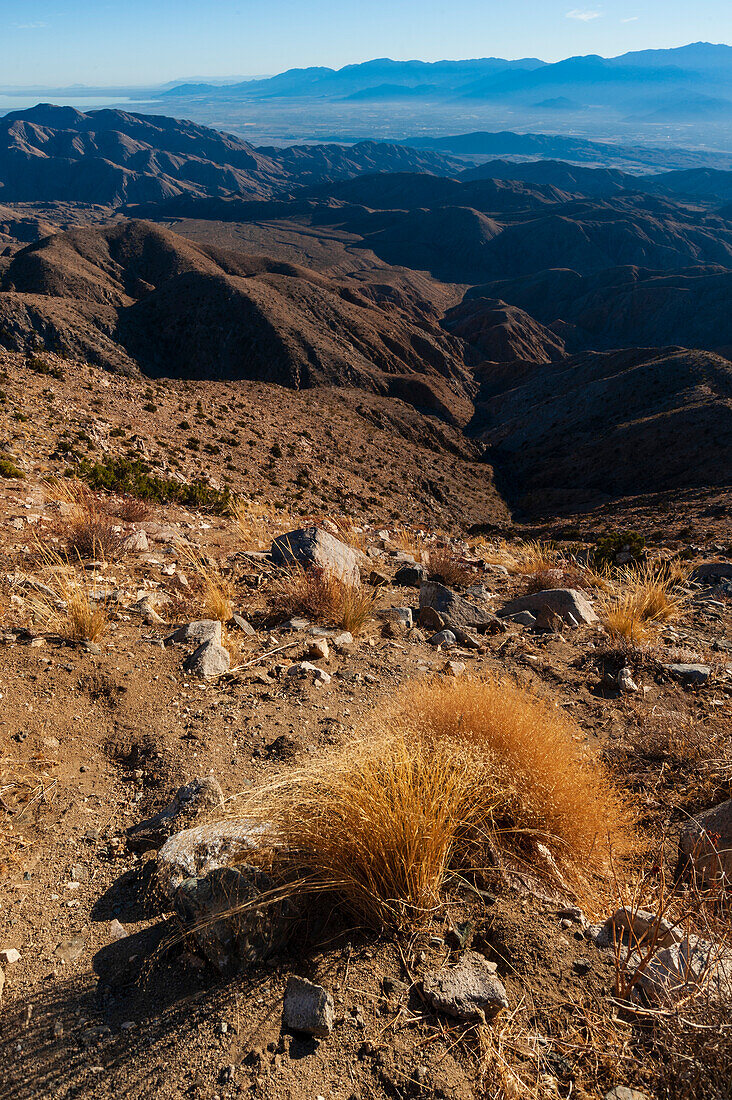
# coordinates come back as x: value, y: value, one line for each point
x: 469, y: 990
x: 307, y: 1007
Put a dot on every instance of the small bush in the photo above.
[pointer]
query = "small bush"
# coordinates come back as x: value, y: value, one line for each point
x: 40, y: 366
x: 217, y: 594
x: 443, y: 566
x: 534, y: 557
x: 639, y: 601
x: 88, y: 530
x: 609, y: 546
x: 69, y: 607
x: 9, y: 469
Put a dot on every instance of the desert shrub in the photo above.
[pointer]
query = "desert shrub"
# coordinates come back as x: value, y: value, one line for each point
x: 40, y: 366
x: 453, y: 774
x: 132, y: 476
x: 131, y: 510
x: 216, y: 592
x: 321, y: 595
x: 609, y: 546
x: 9, y: 469
x: 257, y: 524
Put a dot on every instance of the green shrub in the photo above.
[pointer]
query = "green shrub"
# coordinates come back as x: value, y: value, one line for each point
x: 9, y: 469
x: 132, y: 477
x: 609, y: 546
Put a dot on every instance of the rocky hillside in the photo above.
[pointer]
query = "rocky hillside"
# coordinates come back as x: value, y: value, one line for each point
x: 109, y: 157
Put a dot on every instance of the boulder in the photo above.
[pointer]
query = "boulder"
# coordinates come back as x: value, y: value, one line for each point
x: 712, y: 571
x: 307, y: 1007
x: 193, y: 853
x: 455, y: 610
x: 705, y: 844
x: 569, y: 604
x: 443, y: 638
x: 311, y: 546
x: 136, y: 542
x: 203, y: 630
x: 189, y: 802
x: 409, y: 575
x: 469, y: 990
x: 209, y: 660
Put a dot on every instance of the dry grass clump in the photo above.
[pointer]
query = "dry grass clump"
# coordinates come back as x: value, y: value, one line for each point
x: 131, y: 509
x: 66, y: 604
x: 347, y: 531
x: 322, y: 596
x: 445, y: 567
x: 681, y: 761
x: 413, y: 543
x: 639, y: 601
x: 87, y: 528
x: 534, y: 557
x: 455, y: 774
x: 215, y: 592
x: 258, y: 524
x: 24, y: 788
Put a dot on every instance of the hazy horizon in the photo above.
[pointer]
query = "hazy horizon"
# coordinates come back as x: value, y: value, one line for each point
x: 57, y: 45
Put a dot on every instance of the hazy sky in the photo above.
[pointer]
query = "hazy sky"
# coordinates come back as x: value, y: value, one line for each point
x: 48, y: 42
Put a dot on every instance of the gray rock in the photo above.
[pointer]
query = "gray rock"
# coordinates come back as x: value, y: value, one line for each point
x: 571, y: 606
x: 523, y: 618
x: 409, y: 575
x: 692, y: 967
x: 203, y: 630
x: 455, y: 610
x: 690, y: 674
x: 466, y: 639
x: 340, y: 641
x: 622, y: 1092
x: 397, y: 615
x: 307, y: 1007
x: 242, y: 625
x: 705, y: 844
x: 209, y: 660
x: 312, y: 546
x: 200, y: 795
x: 470, y: 990
x: 640, y: 926
x: 9, y: 955
x: 193, y: 853
x: 712, y: 571
x: 221, y: 916
x: 443, y: 638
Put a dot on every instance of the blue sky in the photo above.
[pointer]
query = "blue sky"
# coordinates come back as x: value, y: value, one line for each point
x: 60, y: 42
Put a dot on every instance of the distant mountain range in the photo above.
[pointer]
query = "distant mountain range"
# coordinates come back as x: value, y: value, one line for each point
x: 693, y: 81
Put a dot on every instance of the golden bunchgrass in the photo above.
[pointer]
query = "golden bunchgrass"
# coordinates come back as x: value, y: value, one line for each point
x: 216, y: 593
x: 454, y: 772
x: 68, y: 607
x: 257, y: 523
x: 534, y: 557
x: 638, y: 601
x: 322, y: 596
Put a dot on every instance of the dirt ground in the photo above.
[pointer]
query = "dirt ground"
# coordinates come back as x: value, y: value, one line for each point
x: 93, y: 742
